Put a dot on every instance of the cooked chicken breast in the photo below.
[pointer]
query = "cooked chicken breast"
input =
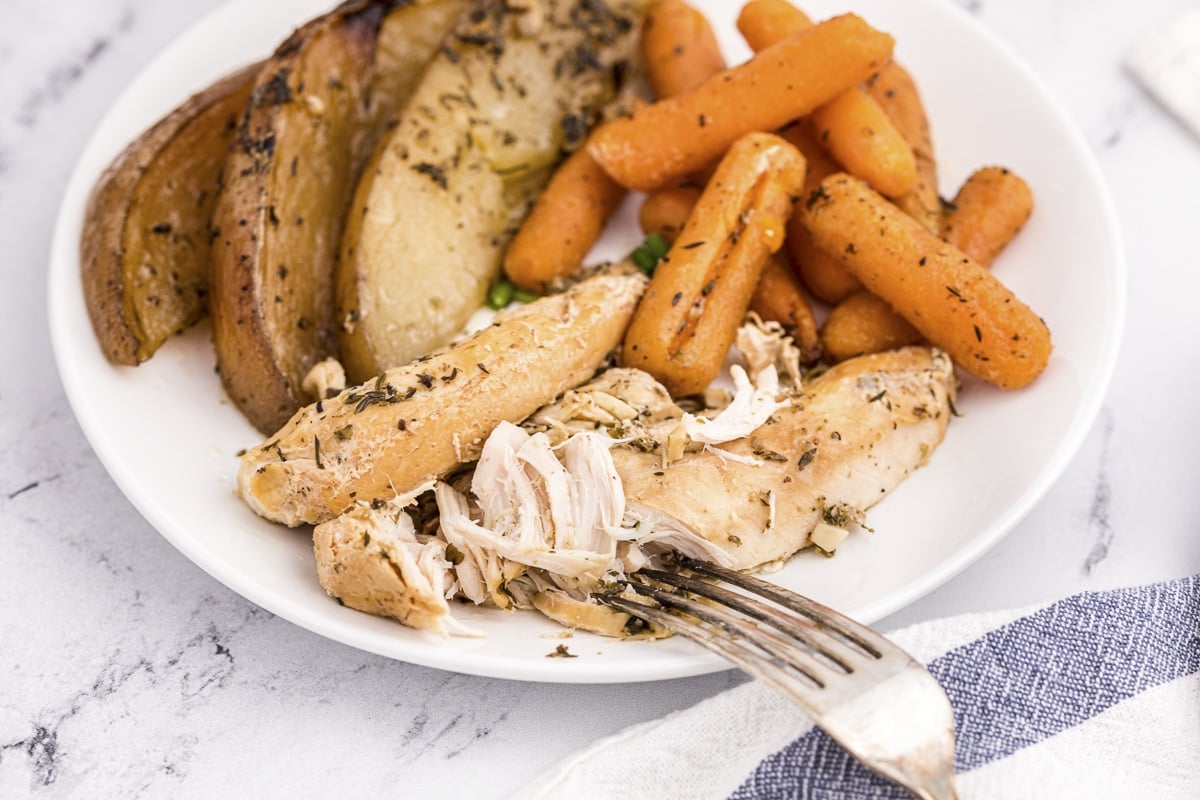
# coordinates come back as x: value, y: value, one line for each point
x: 414, y: 423
x: 372, y: 561
x: 613, y: 474
x: 846, y: 440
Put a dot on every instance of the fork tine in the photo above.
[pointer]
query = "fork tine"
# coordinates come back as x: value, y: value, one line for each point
x: 758, y: 665
x: 821, y: 616
x: 885, y: 709
x: 741, y: 630
x: 797, y: 627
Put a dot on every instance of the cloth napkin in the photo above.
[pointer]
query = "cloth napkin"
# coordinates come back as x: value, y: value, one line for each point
x: 1167, y: 64
x: 1094, y: 696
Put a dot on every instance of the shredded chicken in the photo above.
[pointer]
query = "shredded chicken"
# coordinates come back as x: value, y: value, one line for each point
x: 372, y: 560
x: 325, y: 379
x: 615, y: 474
x: 563, y: 517
x: 766, y: 344
x: 751, y: 407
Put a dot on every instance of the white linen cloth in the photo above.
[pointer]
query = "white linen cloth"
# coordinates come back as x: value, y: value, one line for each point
x: 1094, y: 696
x: 1167, y: 65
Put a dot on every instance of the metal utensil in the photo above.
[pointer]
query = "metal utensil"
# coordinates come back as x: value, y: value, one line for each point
x: 874, y: 699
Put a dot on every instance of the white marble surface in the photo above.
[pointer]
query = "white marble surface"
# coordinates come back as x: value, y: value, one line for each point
x: 126, y: 671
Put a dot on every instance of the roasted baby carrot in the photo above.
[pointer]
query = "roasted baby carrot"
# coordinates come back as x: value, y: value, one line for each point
x: 863, y: 139
x: 667, y: 210
x: 951, y: 299
x: 988, y: 211
x: 690, y: 313
x: 563, y: 225
x: 854, y: 128
x: 679, y: 48
x: 780, y: 298
x: 778, y: 295
x: 896, y: 93
x: 675, y: 136
x: 821, y: 272
x: 862, y: 324
x: 990, y: 208
x: 680, y: 52
x: 762, y: 23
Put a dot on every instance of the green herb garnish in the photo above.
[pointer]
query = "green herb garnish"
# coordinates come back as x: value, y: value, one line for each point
x: 649, y: 253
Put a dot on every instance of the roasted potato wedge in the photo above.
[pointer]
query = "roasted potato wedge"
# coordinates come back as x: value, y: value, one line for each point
x: 319, y: 106
x: 144, y: 247
x: 516, y: 86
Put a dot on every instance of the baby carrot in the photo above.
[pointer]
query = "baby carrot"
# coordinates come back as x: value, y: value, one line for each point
x: 862, y: 324
x: 680, y: 52
x: 690, y: 313
x: 952, y: 300
x: 821, y: 272
x: 896, y: 92
x: 863, y: 139
x: 988, y: 211
x: 856, y: 130
x: 762, y: 23
x: 780, y: 298
x: 665, y: 211
x: 563, y: 225
x: 778, y: 295
x: 990, y: 208
x: 675, y: 136
x: 679, y: 48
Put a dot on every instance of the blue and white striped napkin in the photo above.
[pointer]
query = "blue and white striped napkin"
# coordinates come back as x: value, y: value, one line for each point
x: 1094, y: 696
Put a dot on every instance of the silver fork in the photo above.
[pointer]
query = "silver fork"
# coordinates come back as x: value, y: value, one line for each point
x: 874, y: 699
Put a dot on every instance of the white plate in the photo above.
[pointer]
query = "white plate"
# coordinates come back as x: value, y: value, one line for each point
x: 168, y: 435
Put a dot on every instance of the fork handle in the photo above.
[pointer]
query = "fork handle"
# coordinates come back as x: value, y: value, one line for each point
x: 940, y: 787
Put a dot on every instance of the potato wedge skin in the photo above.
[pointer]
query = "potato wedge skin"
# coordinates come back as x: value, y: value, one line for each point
x: 318, y: 107
x: 497, y: 109
x: 144, y: 247
x: 421, y: 420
